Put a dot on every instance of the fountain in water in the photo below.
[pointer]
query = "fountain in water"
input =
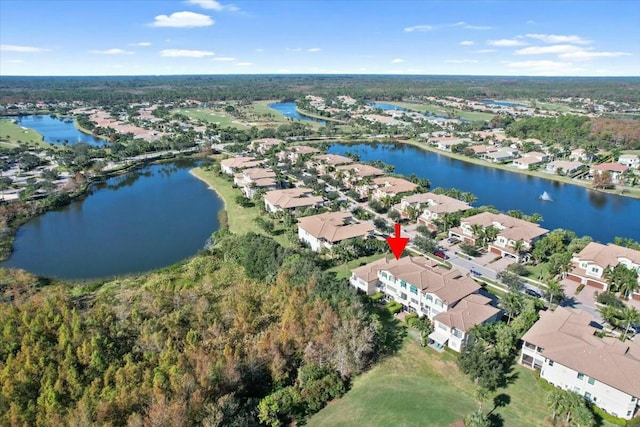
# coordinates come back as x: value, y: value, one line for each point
x: 546, y: 197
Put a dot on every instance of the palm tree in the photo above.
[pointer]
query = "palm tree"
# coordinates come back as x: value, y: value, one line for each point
x: 519, y: 247
x: 556, y: 403
x: 476, y: 419
x: 478, y: 233
x: 629, y: 317
x: 554, y: 291
x: 511, y: 303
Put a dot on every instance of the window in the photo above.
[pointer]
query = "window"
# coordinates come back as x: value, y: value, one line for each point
x: 429, y: 297
x: 591, y: 381
x: 403, y: 296
x: 550, y: 362
x: 414, y: 290
x: 403, y: 284
x: 580, y: 376
x: 587, y: 395
x: 633, y: 399
x: 629, y: 413
x: 594, y: 269
x: 383, y: 274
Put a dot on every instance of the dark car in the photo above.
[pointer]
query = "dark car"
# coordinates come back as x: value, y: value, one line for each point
x: 533, y: 293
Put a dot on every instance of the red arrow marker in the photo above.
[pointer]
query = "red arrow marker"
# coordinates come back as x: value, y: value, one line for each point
x: 397, y: 244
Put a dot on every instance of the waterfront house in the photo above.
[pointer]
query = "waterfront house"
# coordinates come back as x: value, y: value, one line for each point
x: 615, y: 169
x: 327, y: 229
x: 445, y: 143
x: 481, y: 150
x: 580, y: 155
x: 564, y: 166
x: 500, y: 156
x: 326, y: 163
x: 629, y: 160
x: 296, y: 152
x: 352, y: 174
x: 589, y: 265
x: 233, y: 165
x: 389, y: 186
x: 447, y: 297
x: 291, y: 199
x: 512, y: 232
x: 564, y: 346
x: 250, y: 180
x: 431, y: 206
x: 526, y: 162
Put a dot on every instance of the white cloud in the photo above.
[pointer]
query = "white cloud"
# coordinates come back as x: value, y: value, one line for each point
x: 223, y: 59
x: 213, y: 5
x: 585, y: 55
x: 15, y: 61
x: 418, y: 28
x: 21, y: 49
x: 543, y: 50
x: 185, y: 53
x: 397, y: 61
x: 314, y: 49
x: 111, y: 52
x: 545, y: 67
x: 259, y: 50
x: 554, y: 38
x: 461, y: 61
x: 471, y: 27
x: 244, y: 64
x: 531, y: 22
x: 141, y: 44
x: 506, y: 42
x: 467, y: 43
x: 183, y: 20
x: 483, y: 51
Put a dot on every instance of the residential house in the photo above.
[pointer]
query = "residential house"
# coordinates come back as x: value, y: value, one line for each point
x: 327, y: 229
x: 390, y: 186
x: 296, y: 152
x: 580, y: 155
x: 263, y: 145
x: 589, y: 265
x: 291, y: 199
x: 233, y: 165
x: 445, y: 143
x: 564, y: 166
x: 526, y: 162
x: 564, y: 346
x: 500, y: 156
x: 431, y: 206
x: 447, y: 297
x: 250, y: 180
x: 629, y: 160
x: 326, y: 163
x: 616, y: 170
x: 512, y: 232
x: 481, y: 150
x: 353, y: 173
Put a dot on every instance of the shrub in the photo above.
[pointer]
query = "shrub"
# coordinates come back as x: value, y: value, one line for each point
x: 394, y: 307
x: 579, y: 288
x: 411, y: 318
x: 377, y: 297
x: 607, y: 298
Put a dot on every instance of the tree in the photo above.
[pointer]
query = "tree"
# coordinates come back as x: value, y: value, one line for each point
x: 477, y: 419
x: 512, y: 303
x: 554, y: 291
x: 623, y: 279
x: 424, y: 325
x: 629, y: 316
x: 602, y: 179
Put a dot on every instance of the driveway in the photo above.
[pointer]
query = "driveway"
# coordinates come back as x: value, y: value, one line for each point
x: 585, y: 300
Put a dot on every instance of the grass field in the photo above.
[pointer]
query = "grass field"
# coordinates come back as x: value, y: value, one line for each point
x: 241, y: 220
x: 260, y: 111
x: 436, y: 109
x: 554, y: 107
x: 211, y: 116
x: 12, y: 134
x: 344, y: 271
x: 420, y: 387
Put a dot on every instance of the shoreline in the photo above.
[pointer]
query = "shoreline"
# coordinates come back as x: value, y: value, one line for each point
x: 318, y: 117
x: 634, y: 194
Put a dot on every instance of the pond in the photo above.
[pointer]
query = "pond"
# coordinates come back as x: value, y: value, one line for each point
x: 55, y: 130
x: 288, y: 109
x: 147, y: 219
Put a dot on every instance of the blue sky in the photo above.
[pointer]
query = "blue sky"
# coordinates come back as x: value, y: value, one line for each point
x: 146, y: 37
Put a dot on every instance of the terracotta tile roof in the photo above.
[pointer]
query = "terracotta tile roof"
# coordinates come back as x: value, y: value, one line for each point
x: 362, y: 170
x: 613, y: 167
x: 240, y: 162
x: 292, y: 198
x: 392, y: 185
x: 511, y: 228
x: 333, y: 226
x: 332, y: 159
x: 467, y: 313
x: 607, y: 255
x: 567, y: 338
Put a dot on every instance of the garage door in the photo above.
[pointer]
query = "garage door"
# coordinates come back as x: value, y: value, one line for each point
x: 574, y: 278
x: 595, y: 284
x: 495, y: 250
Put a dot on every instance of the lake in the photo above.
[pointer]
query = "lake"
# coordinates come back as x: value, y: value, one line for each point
x: 55, y: 130
x: 288, y: 109
x: 132, y: 223
x: 502, y: 103
x: 586, y: 212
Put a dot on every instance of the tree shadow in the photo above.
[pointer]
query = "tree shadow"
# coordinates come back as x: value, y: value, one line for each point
x: 495, y: 420
x: 569, y: 302
x: 500, y: 401
x: 392, y: 331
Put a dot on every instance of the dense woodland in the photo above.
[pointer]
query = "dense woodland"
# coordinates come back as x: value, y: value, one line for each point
x: 249, y: 332
x: 109, y: 90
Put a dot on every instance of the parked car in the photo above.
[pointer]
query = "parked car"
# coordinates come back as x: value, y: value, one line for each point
x: 453, y: 240
x: 533, y: 293
x: 441, y: 254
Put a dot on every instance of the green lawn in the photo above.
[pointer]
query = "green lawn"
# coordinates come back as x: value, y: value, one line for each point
x: 12, y: 134
x: 344, y: 271
x: 241, y: 220
x: 208, y: 115
x: 260, y: 111
x: 554, y: 107
x: 420, y: 387
x: 436, y: 109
